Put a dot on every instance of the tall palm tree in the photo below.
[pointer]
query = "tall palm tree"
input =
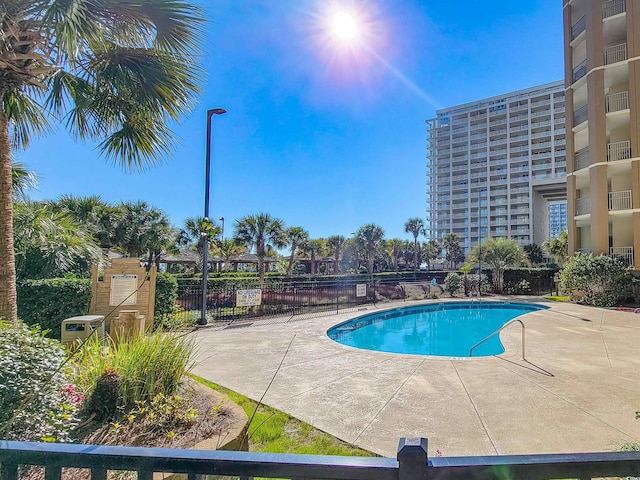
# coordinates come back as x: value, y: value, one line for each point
x: 431, y: 251
x: 453, y: 249
x: 261, y: 231
x: 116, y: 72
x: 336, y: 244
x: 393, y: 248
x: 370, y: 236
x: 499, y: 254
x: 415, y: 226
x: 296, y: 237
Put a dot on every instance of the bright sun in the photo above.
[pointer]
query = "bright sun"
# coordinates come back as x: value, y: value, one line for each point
x: 344, y: 26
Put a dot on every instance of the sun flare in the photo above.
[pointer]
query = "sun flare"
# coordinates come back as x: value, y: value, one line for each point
x: 344, y: 26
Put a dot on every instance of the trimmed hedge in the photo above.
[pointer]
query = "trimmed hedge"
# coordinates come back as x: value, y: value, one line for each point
x: 49, y: 301
x: 166, y: 293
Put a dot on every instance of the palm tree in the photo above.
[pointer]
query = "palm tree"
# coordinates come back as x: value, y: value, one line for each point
x: 499, y: 254
x: 193, y: 235
x: 558, y: 247
x: 22, y: 179
x: 296, y: 237
x: 315, y: 247
x: 115, y: 72
x: 453, y: 250
x: 534, y: 253
x: 262, y: 231
x: 431, y: 251
x: 227, y: 248
x: 50, y: 244
x: 415, y: 226
x: 393, y: 248
x: 370, y: 237
x: 336, y: 244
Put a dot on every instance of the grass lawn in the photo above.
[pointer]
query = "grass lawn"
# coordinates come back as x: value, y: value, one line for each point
x: 556, y: 298
x: 276, y: 432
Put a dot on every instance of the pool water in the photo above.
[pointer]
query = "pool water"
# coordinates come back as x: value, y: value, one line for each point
x: 443, y: 329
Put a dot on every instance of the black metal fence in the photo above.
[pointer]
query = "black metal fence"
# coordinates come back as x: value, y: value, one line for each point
x: 280, y: 298
x: 287, y: 298
x: 411, y: 463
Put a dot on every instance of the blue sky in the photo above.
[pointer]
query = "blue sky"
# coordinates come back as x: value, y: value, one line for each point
x: 323, y: 134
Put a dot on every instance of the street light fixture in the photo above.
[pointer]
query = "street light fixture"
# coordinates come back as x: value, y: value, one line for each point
x: 222, y: 232
x: 205, y: 254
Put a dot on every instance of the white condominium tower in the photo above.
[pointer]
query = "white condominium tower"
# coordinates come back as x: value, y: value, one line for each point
x: 602, y: 79
x: 493, y: 165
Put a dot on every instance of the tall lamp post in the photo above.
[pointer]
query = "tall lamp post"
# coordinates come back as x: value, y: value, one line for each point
x: 222, y: 232
x: 205, y: 254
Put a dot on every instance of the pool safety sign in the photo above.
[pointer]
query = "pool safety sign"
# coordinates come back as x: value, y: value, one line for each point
x: 361, y: 290
x: 248, y: 298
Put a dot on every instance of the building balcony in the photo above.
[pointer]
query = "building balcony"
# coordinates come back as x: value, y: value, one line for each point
x: 580, y: 71
x: 580, y: 115
x: 613, y: 7
x: 618, y: 151
x: 623, y: 253
x: 614, y: 54
x: 583, y: 206
x: 578, y: 27
x: 620, y: 200
x: 617, y: 101
x: 581, y: 159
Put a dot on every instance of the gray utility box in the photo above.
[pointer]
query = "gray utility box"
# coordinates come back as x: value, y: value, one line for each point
x: 76, y: 329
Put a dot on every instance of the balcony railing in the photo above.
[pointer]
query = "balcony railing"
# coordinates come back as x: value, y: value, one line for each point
x: 620, y: 200
x: 583, y: 206
x: 618, y: 151
x: 580, y: 71
x: 623, y: 253
x: 617, y: 101
x: 613, y: 7
x: 615, y: 53
x: 580, y: 115
x: 581, y: 159
x: 411, y: 463
x: 578, y: 27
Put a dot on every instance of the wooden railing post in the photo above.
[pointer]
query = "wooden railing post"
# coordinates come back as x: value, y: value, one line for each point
x: 412, y: 459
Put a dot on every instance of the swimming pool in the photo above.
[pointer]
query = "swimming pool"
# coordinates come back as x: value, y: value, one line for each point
x: 442, y: 329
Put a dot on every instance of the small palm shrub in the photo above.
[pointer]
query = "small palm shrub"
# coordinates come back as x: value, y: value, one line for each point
x: 145, y: 366
x: 37, y: 402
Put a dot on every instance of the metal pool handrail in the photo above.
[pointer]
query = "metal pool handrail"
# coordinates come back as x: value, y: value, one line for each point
x: 498, y: 331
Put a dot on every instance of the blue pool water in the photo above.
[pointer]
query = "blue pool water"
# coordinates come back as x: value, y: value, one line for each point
x: 444, y: 329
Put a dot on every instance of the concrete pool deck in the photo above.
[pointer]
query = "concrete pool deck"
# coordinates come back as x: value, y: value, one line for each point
x: 577, y: 392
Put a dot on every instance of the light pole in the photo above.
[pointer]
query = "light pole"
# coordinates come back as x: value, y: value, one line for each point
x: 222, y: 232
x: 205, y: 254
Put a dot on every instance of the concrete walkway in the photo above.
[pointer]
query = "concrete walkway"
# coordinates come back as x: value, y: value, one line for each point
x: 578, y: 392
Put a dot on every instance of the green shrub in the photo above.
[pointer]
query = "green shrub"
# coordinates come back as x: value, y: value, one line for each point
x: 166, y: 293
x: 452, y: 283
x: 601, y: 280
x: 36, y: 404
x: 147, y: 365
x: 47, y: 302
x: 521, y: 288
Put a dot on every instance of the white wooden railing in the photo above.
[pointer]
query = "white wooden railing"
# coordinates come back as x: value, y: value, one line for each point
x: 613, y: 7
x: 619, y: 151
x: 617, y: 101
x: 620, y: 200
x: 624, y: 253
x: 614, y: 54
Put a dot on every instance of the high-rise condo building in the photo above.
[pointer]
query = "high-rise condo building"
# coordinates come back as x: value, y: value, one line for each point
x: 493, y: 165
x: 557, y: 218
x: 602, y: 79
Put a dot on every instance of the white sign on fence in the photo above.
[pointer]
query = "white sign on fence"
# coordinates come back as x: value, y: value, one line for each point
x: 248, y: 298
x: 361, y: 290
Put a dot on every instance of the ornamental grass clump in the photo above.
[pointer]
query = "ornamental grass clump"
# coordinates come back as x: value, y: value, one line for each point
x: 146, y: 366
x: 37, y: 401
